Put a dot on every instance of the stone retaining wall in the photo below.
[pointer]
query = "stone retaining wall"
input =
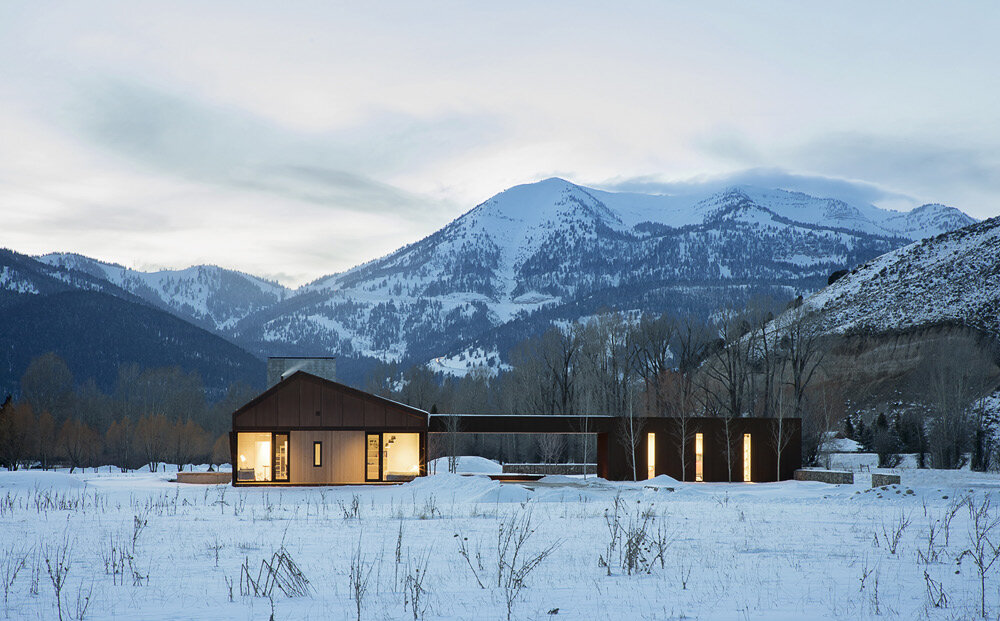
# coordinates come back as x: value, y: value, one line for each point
x: 881, y: 479
x: 549, y: 468
x: 834, y: 477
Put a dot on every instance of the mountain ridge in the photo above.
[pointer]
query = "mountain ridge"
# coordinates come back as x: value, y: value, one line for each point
x: 533, y: 254
x: 953, y: 277
x: 554, y: 244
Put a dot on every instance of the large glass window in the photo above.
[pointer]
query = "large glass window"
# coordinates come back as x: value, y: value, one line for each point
x: 392, y: 456
x: 400, y: 456
x: 253, y: 461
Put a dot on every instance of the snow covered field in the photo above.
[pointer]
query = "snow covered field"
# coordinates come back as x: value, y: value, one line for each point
x: 141, y: 547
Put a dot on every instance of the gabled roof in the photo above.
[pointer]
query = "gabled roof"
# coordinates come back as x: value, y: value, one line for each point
x: 303, y: 376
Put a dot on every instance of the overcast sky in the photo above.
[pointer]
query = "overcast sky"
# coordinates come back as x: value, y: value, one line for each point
x: 293, y: 140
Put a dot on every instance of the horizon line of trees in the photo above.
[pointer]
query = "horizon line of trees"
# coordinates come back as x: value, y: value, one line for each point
x: 153, y: 415
x: 631, y: 366
x: 945, y: 417
x: 741, y: 363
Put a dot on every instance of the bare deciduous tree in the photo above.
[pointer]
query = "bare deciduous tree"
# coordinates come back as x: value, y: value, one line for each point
x: 799, y: 340
x: 45, y: 439
x: 727, y: 369
x: 150, y: 439
x: 118, y: 443
x: 984, y: 549
x: 452, y: 428
x: 652, y: 340
x: 78, y: 443
x: 550, y: 447
x: 16, y: 433
x: 950, y: 380
x: 47, y: 385
x: 221, y: 451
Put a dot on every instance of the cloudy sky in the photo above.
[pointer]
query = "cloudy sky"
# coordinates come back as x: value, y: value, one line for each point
x: 293, y: 140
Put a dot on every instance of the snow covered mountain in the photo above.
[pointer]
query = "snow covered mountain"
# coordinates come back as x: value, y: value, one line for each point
x: 553, y: 250
x: 953, y: 278
x: 97, y: 326
x: 22, y: 276
x: 531, y: 255
x: 206, y: 295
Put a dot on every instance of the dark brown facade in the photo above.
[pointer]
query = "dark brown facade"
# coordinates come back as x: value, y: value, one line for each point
x: 722, y: 451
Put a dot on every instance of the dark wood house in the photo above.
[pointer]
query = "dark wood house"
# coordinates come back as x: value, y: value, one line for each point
x: 307, y: 430
x: 702, y: 449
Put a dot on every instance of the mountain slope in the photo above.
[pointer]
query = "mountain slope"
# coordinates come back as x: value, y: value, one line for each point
x: 529, y: 256
x: 21, y: 275
x: 951, y: 278
x: 96, y: 333
x: 206, y: 295
x: 97, y: 326
x: 554, y: 250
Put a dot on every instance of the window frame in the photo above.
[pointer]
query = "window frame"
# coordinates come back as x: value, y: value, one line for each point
x: 317, y: 453
x: 368, y: 436
x: 271, y: 469
x: 381, y: 434
x: 274, y: 456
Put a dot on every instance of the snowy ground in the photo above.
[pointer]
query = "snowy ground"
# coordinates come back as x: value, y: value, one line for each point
x: 791, y: 550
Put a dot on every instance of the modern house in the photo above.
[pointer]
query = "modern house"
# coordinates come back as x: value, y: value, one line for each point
x: 310, y: 430
x: 695, y: 449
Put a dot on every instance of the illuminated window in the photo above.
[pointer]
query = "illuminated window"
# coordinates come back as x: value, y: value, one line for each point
x: 317, y: 454
x: 281, y: 457
x: 650, y: 455
x: 400, y: 456
x: 392, y: 456
x: 699, y: 457
x: 746, y: 458
x: 373, y: 463
x: 253, y: 452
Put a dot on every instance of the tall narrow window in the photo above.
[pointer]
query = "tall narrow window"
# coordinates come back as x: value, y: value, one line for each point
x: 746, y: 458
x: 699, y: 457
x: 281, y: 457
x: 373, y: 463
x: 650, y: 455
x: 317, y: 454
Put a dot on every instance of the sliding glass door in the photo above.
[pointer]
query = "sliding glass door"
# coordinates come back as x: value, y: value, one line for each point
x: 392, y: 456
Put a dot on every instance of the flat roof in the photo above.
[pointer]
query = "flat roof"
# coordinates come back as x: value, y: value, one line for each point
x: 445, y: 414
